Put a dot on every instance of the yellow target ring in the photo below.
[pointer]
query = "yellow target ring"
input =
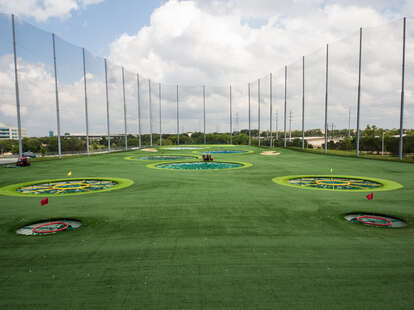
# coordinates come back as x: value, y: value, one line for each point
x: 83, y: 185
x: 333, y: 182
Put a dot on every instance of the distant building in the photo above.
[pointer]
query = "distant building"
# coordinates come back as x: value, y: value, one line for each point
x: 92, y: 136
x: 7, y: 132
x: 51, y: 133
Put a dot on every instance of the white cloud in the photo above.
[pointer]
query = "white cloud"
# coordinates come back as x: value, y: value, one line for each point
x: 203, y: 42
x: 42, y: 10
x: 221, y: 42
x: 208, y: 41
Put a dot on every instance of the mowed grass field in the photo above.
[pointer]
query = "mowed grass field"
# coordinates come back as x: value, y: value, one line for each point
x: 209, y: 239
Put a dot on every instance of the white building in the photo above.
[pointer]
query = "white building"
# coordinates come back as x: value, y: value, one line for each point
x: 7, y: 132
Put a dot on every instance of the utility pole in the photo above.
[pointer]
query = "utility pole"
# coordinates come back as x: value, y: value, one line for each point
x: 16, y: 83
x: 277, y: 128
x: 107, y: 106
x: 178, y: 120
x: 258, y: 106
x: 57, y: 98
x: 231, y: 120
x: 204, y: 112
x: 150, y: 110
x: 159, y: 94
x: 250, y: 135
x: 326, y: 99
x: 86, y: 101
x: 125, y: 110
x: 139, y: 111
x: 303, y: 102
x: 270, y: 112
x: 284, y: 118
x: 332, y: 132
x: 359, y: 92
x: 349, y: 123
x: 400, y: 148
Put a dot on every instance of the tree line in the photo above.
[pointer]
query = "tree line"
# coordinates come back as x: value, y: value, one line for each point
x: 370, y: 141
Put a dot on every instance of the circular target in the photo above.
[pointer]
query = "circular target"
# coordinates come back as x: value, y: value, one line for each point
x: 375, y: 220
x: 226, y: 152
x: 63, y: 187
x: 213, y: 165
x: 162, y: 157
x: 48, y: 227
x: 337, y: 183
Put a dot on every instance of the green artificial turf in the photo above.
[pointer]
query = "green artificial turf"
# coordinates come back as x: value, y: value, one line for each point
x: 225, y: 239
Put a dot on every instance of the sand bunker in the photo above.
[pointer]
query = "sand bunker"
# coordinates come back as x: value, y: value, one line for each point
x: 149, y: 150
x: 270, y: 153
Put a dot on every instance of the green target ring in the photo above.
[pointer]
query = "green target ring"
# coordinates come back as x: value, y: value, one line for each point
x: 65, y: 187
x: 227, y: 165
x: 337, y: 183
x: 163, y: 157
x: 223, y: 151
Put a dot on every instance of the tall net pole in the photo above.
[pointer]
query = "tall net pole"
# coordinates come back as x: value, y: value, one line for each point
x: 204, y: 112
x: 258, y: 107
x: 150, y: 110
x: 326, y: 98
x: 270, y: 112
x: 250, y: 134
x: 107, y: 106
x: 125, y: 111
x: 16, y: 83
x: 231, y: 120
x: 276, y: 125
x: 359, y: 92
x: 86, y: 101
x: 57, y: 97
x: 159, y: 94
x: 139, y: 112
x: 178, y: 120
x: 400, y: 151
x: 284, y: 117
x: 303, y: 102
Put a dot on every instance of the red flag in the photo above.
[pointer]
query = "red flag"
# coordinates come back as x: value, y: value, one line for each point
x: 44, y: 201
x: 370, y: 196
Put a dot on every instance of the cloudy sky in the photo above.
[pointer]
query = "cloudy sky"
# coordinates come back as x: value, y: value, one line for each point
x: 214, y: 43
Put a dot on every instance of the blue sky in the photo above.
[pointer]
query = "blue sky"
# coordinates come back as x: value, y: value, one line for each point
x: 98, y: 25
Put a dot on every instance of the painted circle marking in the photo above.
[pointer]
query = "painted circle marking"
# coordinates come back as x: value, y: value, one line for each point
x: 197, y: 166
x: 65, y: 187
x: 43, y: 228
x: 371, y: 217
x: 337, y: 183
x: 375, y: 220
x: 36, y: 229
